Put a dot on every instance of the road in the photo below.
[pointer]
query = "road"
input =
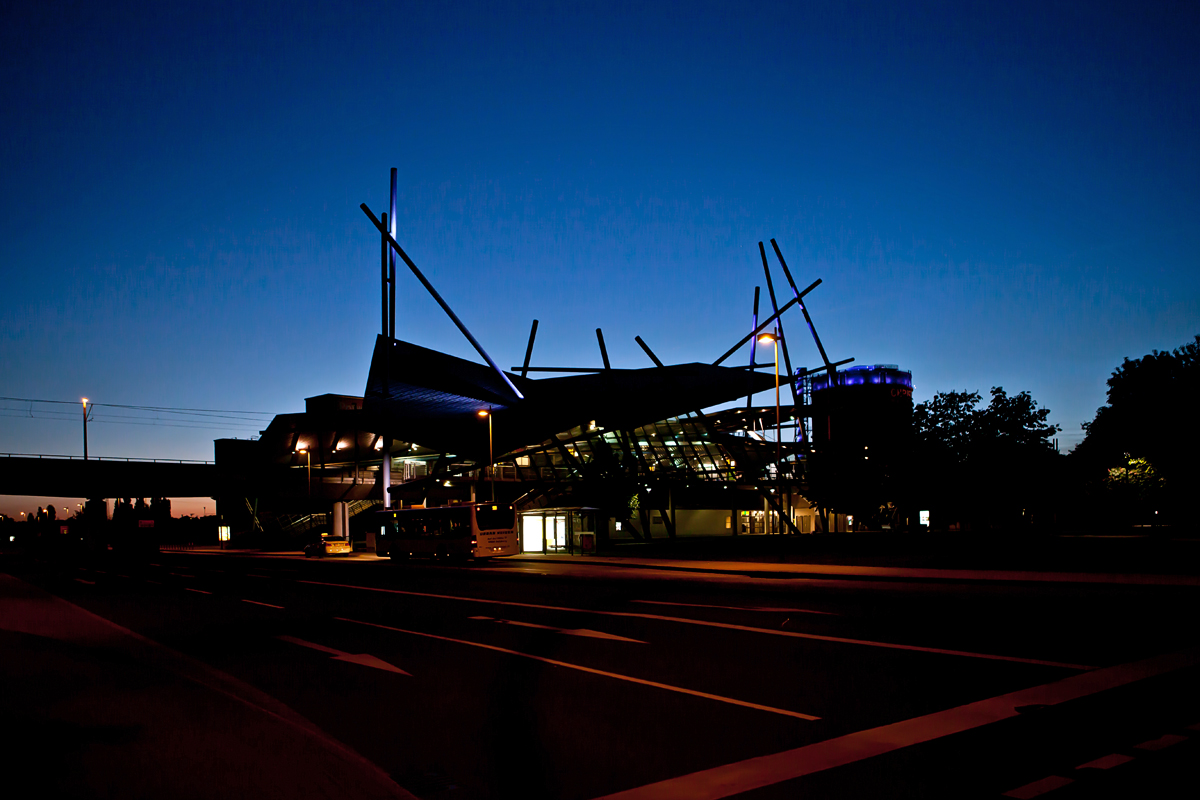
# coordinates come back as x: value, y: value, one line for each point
x: 526, y: 678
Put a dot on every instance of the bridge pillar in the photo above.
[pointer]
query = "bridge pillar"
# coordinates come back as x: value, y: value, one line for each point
x: 341, y: 521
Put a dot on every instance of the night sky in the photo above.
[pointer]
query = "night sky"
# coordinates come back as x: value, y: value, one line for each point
x: 1000, y: 195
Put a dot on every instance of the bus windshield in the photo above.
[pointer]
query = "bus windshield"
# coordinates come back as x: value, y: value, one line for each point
x: 494, y: 517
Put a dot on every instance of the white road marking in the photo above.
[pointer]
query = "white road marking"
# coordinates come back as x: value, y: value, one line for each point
x: 738, y: 608
x: 155, y: 565
x: 197, y: 591
x: 725, y: 625
x: 581, y: 668
x: 119, y: 575
x: 89, y: 583
x: 257, y: 603
x: 353, y: 658
x: 1161, y: 742
x: 585, y: 632
x: 1047, y: 784
x: 1107, y: 762
x: 99, y: 572
x: 157, y: 583
x: 181, y: 575
x: 755, y: 773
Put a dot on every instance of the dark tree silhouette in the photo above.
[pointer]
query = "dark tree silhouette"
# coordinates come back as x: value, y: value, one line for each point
x: 1150, y: 417
x: 991, y: 466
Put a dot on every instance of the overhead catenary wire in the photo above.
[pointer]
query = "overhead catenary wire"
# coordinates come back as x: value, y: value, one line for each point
x: 173, y: 409
x: 164, y: 416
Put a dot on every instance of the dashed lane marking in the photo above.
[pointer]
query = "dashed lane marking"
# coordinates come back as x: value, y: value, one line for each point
x: 258, y: 603
x: 709, y: 624
x: 755, y: 773
x: 584, y: 632
x: 1107, y: 762
x: 156, y: 583
x: 738, y: 608
x: 1047, y: 784
x: 89, y: 583
x: 617, y: 676
x: 119, y: 575
x: 197, y: 591
x: 181, y: 575
x: 1161, y: 742
x: 362, y: 659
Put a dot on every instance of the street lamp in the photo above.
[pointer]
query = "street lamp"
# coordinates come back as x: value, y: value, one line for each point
x: 85, y: 416
x: 491, y: 469
x: 774, y: 339
x: 304, y: 451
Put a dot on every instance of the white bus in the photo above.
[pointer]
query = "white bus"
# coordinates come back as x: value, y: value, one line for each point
x: 468, y: 530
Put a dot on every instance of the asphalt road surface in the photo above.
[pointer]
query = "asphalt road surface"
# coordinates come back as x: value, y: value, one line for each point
x: 539, y: 679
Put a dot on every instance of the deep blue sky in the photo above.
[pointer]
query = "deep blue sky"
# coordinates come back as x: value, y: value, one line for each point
x: 994, y: 195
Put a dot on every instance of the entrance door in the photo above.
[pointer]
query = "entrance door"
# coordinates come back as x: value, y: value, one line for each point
x: 532, y: 534
x: 556, y: 533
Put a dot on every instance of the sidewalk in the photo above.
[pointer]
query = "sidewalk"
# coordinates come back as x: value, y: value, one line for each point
x: 765, y: 568
x: 95, y: 710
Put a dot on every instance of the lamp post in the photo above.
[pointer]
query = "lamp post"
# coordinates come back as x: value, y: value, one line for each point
x: 304, y: 451
x: 774, y: 338
x: 85, y: 416
x: 491, y: 469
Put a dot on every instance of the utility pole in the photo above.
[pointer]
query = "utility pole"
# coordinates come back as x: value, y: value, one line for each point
x: 85, y: 416
x: 491, y: 457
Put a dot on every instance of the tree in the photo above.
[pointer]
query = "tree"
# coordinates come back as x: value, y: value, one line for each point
x: 944, y: 424
x: 990, y: 465
x: 1150, y: 415
x: 951, y: 426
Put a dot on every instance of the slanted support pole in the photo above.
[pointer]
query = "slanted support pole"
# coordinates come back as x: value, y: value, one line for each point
x: 753, y: 351
x: 812, y: 328
x: 445, y: 306
x: 529, y: 348
x: 392, y: 261
x: 603, y: 349
x: 389, y: 282
x: 787, y: 361
x: 766, y: 323
x: 648, y: 351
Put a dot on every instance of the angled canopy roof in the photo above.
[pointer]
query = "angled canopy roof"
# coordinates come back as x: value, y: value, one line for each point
x: 432, y: 398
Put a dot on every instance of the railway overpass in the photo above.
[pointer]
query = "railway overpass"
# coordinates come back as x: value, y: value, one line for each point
x: 72, y: 476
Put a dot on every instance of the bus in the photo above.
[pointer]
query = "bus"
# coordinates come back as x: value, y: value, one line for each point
x: 467, y: 530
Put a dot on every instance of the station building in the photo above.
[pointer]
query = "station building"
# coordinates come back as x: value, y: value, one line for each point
x: 629, y: 455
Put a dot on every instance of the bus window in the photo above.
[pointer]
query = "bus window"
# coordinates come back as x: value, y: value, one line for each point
x: 458, y: 523
x: 411, y: 525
